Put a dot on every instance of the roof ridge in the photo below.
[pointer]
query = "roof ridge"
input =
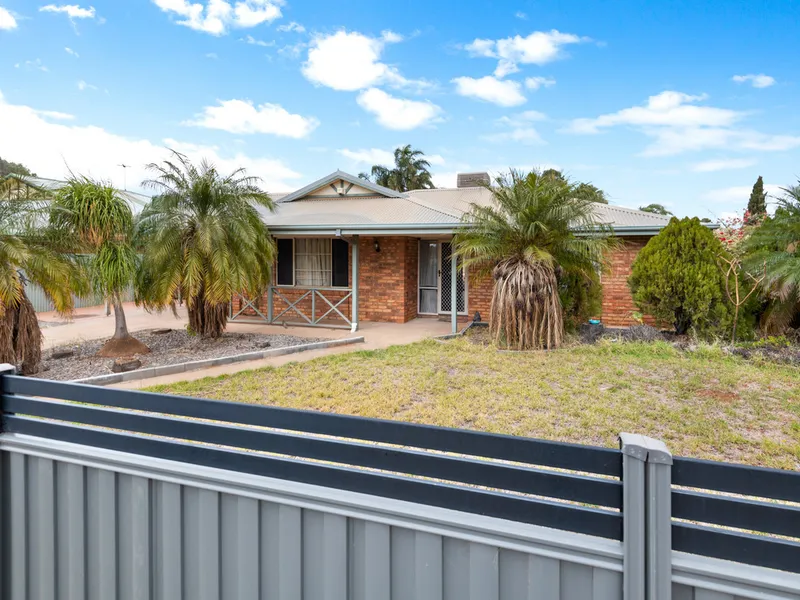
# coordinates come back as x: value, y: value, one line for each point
x: 433, y: 208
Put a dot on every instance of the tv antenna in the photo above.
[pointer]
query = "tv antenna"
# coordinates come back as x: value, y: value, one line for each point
x: 124, y: 175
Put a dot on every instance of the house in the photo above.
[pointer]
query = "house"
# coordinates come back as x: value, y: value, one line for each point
x: 22, y: 186
x: 350, y: 250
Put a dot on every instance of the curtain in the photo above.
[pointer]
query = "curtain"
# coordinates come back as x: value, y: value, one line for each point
x: 313, y: 257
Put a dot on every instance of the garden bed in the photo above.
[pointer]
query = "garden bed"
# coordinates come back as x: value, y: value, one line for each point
x: 169, y: 348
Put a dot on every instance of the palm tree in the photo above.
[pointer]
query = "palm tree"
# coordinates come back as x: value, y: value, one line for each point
x: 102, y: 223
x: 31, y: 252
x: 536, y: 232
x: 410, y: 172
x: 203, y: 238
x: 775, y: 246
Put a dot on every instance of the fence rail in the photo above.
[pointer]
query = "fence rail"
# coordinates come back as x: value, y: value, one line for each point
x: 526, y: 517
x: 401, y: 468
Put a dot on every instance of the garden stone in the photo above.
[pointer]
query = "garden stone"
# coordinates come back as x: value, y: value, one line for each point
x: 161, y: 331
x: 62, y: 353
x: 264, y: 344
x: 123, y: 365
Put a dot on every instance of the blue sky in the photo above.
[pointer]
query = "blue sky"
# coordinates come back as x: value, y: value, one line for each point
x: 680, y: 103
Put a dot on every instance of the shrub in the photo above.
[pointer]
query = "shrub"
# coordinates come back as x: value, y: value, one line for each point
x: 676, y: 278
x: 581, y: 298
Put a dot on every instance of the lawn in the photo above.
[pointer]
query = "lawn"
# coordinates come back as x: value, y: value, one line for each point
x: 702, y: 404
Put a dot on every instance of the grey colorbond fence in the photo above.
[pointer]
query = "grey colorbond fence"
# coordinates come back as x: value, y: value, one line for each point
x: 41, y: 303
x: 124, y: 494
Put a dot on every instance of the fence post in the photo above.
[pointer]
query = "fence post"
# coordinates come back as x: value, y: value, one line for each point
x: 659, y: 520
x: 5, y: 369
x: 634, y: 461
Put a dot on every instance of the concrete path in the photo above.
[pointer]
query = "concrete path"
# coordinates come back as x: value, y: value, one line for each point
x: 91, y: 324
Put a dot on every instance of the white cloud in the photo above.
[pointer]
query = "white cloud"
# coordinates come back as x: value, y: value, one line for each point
x: 723, y: 164
x: 534, y: 83
x: 73, y: 11
x: 249, y: 39
x: 377, y: 156
x: 390, y: 37
x: 71, y: 52
x: 7, y: 20
x: 212, y: 55
x: 540, y: 47
x: 292, y: 50
x: 370, y: 156
x: 94, y: 151
x: 518, y: 128
x: 502, y: 92
x: 677, y: 124
x: 740, y: 193
x: 218, y: 16
x: 293, y: 26
x: 351, y: 61
x: 242, y: 116
x: 397, y: 113
x: 83, y: 86
x: 670, y: 109
x: 36, y: 65
x: 757, y: 81
x: 521, y: 15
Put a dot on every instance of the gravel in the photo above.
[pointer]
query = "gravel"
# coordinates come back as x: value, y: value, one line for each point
x: 171, y: 348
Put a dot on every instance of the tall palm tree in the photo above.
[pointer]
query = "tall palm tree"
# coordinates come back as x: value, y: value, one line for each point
x: 411, y: 171
x: 203, y: 237
x: 102, y: 222
x: 775, y: 247
x: 31, y: 252
x: 535, y: 232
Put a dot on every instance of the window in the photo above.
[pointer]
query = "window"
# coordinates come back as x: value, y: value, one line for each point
x: 312, y: 259
x: 313, y: 262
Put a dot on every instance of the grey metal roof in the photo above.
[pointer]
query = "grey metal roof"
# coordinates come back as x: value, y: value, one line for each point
x: 341, y: 175
x: 442, y: 208
x: 53, y: 185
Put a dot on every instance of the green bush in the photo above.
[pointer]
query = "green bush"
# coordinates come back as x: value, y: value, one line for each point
x: 677, y: 279
x: 581, y: 298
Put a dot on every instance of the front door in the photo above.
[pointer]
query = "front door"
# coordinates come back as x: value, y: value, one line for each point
x: 428, y: 278
x: 445, y: 250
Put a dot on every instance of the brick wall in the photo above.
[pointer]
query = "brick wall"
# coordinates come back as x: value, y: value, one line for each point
x: 388, y: 286
x: 617, y: 300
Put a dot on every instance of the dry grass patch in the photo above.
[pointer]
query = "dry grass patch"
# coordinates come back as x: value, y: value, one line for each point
x: 702, y: 404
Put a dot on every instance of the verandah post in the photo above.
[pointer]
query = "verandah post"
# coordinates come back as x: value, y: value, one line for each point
x: 354, y: 291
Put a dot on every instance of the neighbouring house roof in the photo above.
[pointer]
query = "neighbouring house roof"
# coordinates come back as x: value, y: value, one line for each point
x: 435, y: 211
x: 53, y: 185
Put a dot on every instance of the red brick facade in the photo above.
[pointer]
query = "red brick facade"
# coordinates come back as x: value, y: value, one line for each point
x: 618, y: 303
x: 388, y: 286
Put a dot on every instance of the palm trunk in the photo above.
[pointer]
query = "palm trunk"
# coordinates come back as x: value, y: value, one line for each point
x: 120, y: 324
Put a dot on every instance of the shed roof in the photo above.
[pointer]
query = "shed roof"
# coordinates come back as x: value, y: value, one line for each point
x: 53, y: 185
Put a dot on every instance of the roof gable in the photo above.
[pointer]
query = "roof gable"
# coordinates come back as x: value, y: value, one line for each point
x: 341, y: 185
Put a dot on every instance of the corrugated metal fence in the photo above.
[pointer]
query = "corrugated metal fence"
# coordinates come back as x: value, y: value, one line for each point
x: 41, y: 303
x: 115, y: 494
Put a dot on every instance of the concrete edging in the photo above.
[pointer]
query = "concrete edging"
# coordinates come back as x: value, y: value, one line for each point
x: 196, y: 365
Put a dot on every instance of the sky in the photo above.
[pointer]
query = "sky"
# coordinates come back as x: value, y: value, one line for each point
x: 682, y: 103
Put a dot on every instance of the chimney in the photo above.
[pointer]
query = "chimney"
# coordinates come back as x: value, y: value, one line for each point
x: 472, y: 179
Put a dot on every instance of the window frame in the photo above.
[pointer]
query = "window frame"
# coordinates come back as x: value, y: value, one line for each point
x: 296, y: 285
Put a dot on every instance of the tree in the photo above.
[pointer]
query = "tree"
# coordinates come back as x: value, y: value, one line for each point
x: 776, y: 244
x: 411, y: 171
x: 527, y: 240
x: 675, y: 277
x: 102, y: 222
x: 203, y: 238
x: 7, y: 168
x: 757, y: 205
x: 31, y: 252
x: 656, y: 209
x: 589, y: 192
